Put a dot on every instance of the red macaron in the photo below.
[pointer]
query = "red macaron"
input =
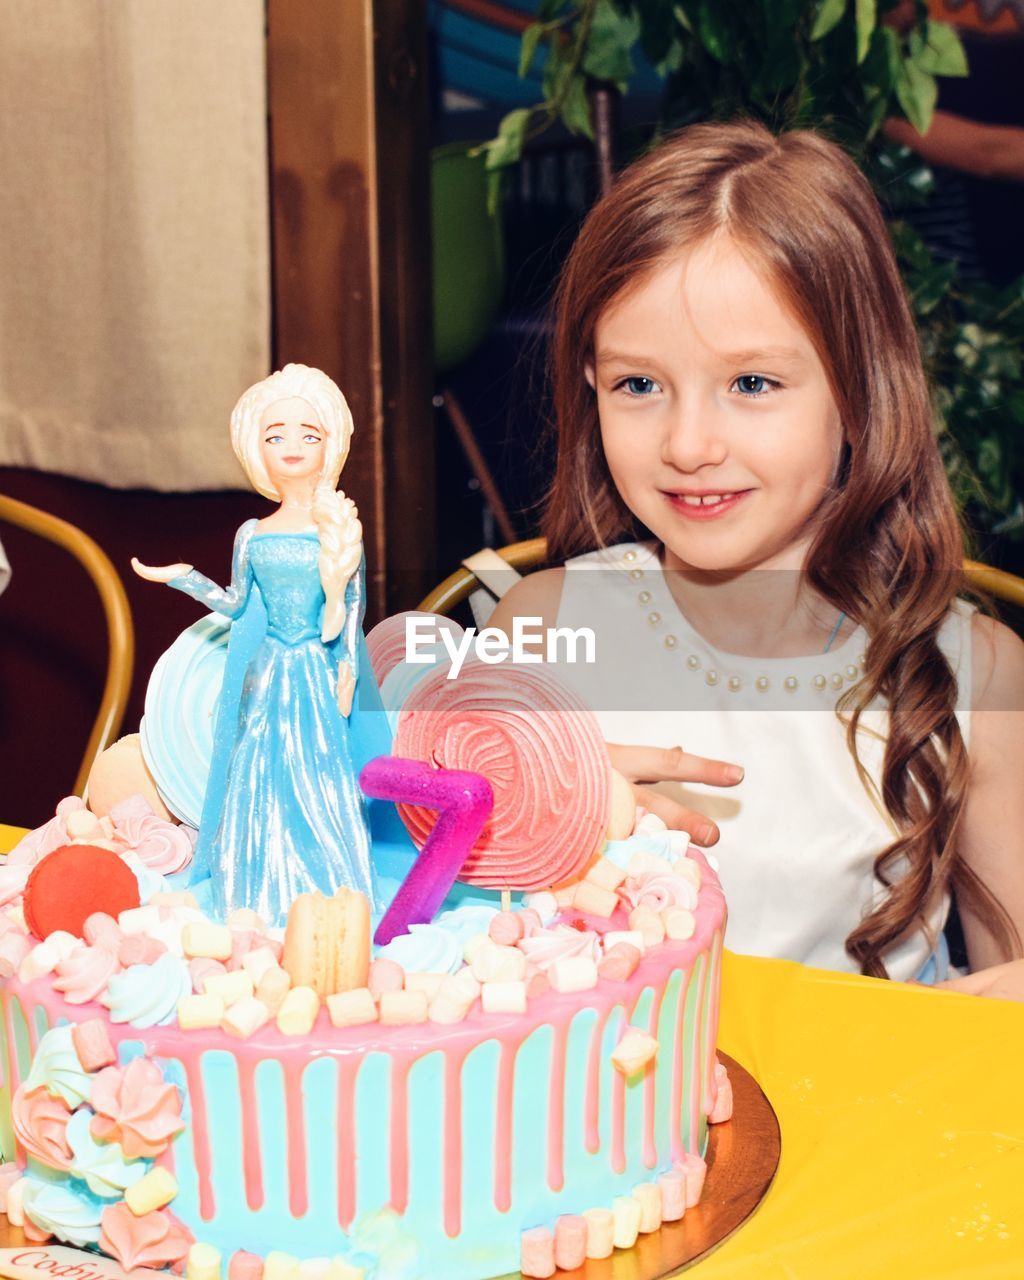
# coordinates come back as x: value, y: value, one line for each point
x: 71, y: 883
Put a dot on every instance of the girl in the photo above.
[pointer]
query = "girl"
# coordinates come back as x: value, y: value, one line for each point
x: 283, y: 813
x: 745, y: 435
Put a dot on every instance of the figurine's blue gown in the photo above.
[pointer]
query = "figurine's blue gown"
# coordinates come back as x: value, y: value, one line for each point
x: 283, y: 812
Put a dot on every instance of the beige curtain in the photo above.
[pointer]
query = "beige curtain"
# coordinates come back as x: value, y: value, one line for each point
x: 134, y: 258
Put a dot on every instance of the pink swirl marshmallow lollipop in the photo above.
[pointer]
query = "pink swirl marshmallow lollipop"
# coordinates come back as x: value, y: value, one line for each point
x: 543, y: 754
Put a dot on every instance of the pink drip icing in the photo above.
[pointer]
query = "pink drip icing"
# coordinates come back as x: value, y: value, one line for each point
x: 452, y: 1147
x: 650, y: 1145
x: 677, y: 1149
x: 399, y: 1137
x: 200, y: 1131
x: 347, y: 1068
x: 592, y: 1097
x: 295, y: 1129
x: 252, y: 1163
x: 166, y: 1158
x: 556, y: 1107
x: 503, y: 1130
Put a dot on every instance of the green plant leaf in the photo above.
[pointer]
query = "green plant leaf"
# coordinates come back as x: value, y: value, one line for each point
x: 830, y: 13
x: 528, y: 51
x: 575, y: 110
x: 917, y: 93
x: 608, y: 53
x: 717, y: 33
x: 507, y: 147
x: 940, y: 52
x: 866, y: 16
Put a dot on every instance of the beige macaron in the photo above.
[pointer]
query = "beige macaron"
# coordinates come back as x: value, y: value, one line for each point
x: 327, y: 941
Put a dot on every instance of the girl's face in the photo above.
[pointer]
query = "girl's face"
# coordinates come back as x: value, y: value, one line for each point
x: 292, y: 441
x: 717, y: 421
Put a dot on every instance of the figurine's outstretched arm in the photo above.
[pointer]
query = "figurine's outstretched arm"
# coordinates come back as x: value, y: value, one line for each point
x: 229, y: 601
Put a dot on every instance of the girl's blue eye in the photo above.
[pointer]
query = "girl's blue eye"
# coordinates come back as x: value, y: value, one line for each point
x: 639, y: 386
x: 753, y: 384
x: 274, y: 439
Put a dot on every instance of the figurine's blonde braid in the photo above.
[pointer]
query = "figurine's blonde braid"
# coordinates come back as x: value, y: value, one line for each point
x: 341, y: 549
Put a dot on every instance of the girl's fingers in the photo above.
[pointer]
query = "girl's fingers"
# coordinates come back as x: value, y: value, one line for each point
x: 1000, y: 982
x: 672, y: 764
x: 678, y: 817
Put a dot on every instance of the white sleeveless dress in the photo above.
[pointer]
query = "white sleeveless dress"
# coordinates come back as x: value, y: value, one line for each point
x: 800, y: 833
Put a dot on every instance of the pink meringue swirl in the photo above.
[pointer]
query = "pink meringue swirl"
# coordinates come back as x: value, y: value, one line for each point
x: 84, y: 975
x: 43, y: 840
x: 155, y: 1239
x: 386, y: 643
x: 541, y: 750
x: 40, y: 1124
x: 136, y: 1107
x: 544, y: 946
x: 658, y: 890
x: 164, y: 847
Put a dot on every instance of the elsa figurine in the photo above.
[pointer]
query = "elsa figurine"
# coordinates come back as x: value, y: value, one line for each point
x: 283, y: 813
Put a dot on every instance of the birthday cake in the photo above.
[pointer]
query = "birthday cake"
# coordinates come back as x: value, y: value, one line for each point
x: 487, y: 1047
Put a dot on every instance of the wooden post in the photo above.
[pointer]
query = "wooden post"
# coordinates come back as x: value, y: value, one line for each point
x: 350, y: 210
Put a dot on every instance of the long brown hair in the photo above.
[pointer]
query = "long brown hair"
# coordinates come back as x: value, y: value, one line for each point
x: 888, y: 549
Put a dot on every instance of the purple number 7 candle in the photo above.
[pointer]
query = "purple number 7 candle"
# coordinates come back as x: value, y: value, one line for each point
x: 463, y: 801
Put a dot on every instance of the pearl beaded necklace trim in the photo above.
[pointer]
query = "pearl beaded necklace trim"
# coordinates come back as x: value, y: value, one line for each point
x: 835, y: 680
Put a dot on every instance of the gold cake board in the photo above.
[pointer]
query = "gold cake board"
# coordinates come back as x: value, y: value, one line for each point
x: 742, y: 1157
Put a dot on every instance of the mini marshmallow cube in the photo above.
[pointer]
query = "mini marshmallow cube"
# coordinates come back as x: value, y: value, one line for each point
x: 385, y: 975
x: 499, y: 964
x: 202, y: 1263
x: 648, y: 1196
x: 693, y: 1169
x: 343, y: 1270
x: 64, y: 943
x: 722, y: 1110
x: 139, y: 920
x: 506, y: 928
x: 198, y: 1012
x: 315, y: 1269
x: 463, y: 985
x: 152, y: 1191
x: 606, y: 874
x: 634, y: 1051
x: 645, y: 863
x: 172, y: 899
x: 92, y: 1044
x: 212, y: 941
x: 259, y: 962
x: 649, y: 923
x: 537, y: 983
x: 273, y: 987
x: 573, y: 973
x: 619, y: 964
x: 280, y: 1266
x: 15, y: 1202
x: 594, y: 900
x: 245, y: 1017
x: 651, y: 825
x: 473, y: 946
x: 352, y: 1008
x: 631, y: 936
x: 678, y: 842
x: 570, y: 1242
x: 298, y: 1011
x: 402, y: 1008
x: 679, y: 923
x: 537, y: 1253
x: 428, y: 983
x: 231, y: 987
x: 626, y: 1212
x: 544, y: 903
x: 137, y: 948
x: 200, y: 970
x: 83, y: 825
x: 688, y: 869
x: 245, y: 1266
x: 41, y: 960
x: 673, y: 1195
x: 503, y: 997
x: 600, y: 1232
x: 564, y: 896
x: 446, y: 1011
x: 244, y: 918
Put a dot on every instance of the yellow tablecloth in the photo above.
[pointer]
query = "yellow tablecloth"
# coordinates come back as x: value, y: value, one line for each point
x: 902, y: 1116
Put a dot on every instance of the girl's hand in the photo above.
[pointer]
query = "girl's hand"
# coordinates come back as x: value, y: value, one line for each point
x: 1000, y: 982
x: 160, y: 573
x: 645, y: 765
x: 346, y: 688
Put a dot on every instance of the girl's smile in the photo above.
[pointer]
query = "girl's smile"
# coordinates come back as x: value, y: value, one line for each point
x: 717, y: 420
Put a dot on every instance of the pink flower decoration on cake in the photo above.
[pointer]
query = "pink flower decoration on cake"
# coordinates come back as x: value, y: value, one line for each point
x: 155, y: 1239
x: 43, y: 840
x: 162, y: 846
x: 40, y: 1125
x: 84, y: 975
x: 658, y: 890
x: 137, y: 1108
x: 544, y: 946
